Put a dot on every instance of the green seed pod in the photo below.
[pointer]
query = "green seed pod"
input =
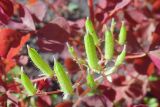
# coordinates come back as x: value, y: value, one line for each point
x: 26, y: 82
x: 63, y: 78
x: 121, y: 57
x: 39, y: 62
x: 91, y: 30
x: 91, y: 52
x: 71, y: 51
x: 109, y: 45
x: 90, y: 81
x: 122, y: 34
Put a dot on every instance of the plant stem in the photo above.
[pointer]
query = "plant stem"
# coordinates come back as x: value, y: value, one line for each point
x: 136, y: 56
x: 49, y: 93
x: 91, y: 10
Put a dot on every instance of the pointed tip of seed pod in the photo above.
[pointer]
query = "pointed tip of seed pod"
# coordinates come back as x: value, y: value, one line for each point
x: 54, y: 59
x: 123, y: 23
x: 21, y: 68
x: 105, y: 28
x: 68, y: 45
x: 28, y: 47
x: 113, y: 21
x: 87, y: 18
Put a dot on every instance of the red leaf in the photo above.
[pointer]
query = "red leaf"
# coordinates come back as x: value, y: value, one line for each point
x: 150, y: 69
x: 135, y: 13
x: 44, y: 100
x: 155, y: 57
x: 156, y: 5
x: 53, y: 37
x: 11, y: 43
x: 26, y: 17
x: 155, y: 41
x: 9, y: 64
x: 7, y: 6
x: 15, y: 50
x: 135, y: 89
x: 40, y: 6
x: 7, y: 36
x: 154, y: 85
x: 122, y: 4
x: 141, y: 65
x: 65, y: 104
x: 96, y: 101
x: 71, y: 65
x: 6, y: 10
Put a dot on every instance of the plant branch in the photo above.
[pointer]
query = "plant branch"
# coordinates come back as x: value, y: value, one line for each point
x: 136, y: 56
x: 91, y: 10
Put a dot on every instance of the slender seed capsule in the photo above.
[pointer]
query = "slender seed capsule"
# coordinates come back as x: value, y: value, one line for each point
x: 90, y: 81
x: 121, y: 57
x: 91, y: 52
x: 109, y: 45
x: 71, y: 51
x: 91, y: 30
x: 63, y: 78
x: 122, y: 34
x: 39, y: 62
x: 26, y: 82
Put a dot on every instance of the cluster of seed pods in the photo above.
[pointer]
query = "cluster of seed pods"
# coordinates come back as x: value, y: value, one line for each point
x: 91, y: 42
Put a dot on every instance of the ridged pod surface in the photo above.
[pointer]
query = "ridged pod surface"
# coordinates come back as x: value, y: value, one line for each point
x: 122, y: 34
x: 63, y: 78
x: 91, y: 30
x: 26, y: 82
x: 39, y: 62
x: 91, y: 52
x: 121, y: 57
x: 109, y: 45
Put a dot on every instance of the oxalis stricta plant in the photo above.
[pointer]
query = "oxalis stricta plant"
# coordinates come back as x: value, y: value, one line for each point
x: 89, y: 66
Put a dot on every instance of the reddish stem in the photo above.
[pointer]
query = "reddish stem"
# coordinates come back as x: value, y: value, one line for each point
x: 39, y: 79
x: 91, y: 10
x: 136, y: 56
x: 49, y: 93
